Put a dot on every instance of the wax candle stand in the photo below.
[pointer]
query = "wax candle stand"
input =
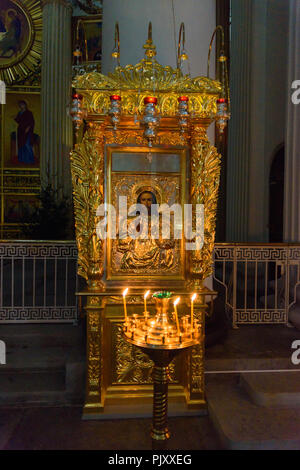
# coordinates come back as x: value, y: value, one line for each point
x: 159, y: 337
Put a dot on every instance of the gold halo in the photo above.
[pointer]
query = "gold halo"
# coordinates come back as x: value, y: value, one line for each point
x: 27, y: 62
x: 9, y: 11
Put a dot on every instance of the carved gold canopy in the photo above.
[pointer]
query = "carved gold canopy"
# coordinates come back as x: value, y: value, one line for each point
x: 135, y: 82
x: 92, y: 176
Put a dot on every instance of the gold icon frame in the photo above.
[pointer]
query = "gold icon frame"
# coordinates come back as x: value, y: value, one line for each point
x: 28, y: 61
x: 148, y: 179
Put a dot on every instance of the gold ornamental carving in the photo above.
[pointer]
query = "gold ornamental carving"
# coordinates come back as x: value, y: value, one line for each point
x: 88, y: 183
x: 132, y: 365
x: 205, y: 174
x: 97, y: 102
x: 140, y: 77
x: 94, y: 358
x: 135, y: 82
x: 116, y: 368
x: 94, y: 373
x: 197, y: 379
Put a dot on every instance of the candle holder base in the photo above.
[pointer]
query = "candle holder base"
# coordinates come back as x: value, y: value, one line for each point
x: 161, y: 338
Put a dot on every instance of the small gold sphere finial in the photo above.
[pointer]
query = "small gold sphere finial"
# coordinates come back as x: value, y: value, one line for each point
x: 149, y: 46
x: 184, y: 56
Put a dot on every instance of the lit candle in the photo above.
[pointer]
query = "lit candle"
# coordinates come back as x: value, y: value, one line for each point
x: 124, y: 302
x: 176, y: 316
x: 145, y: 303
x: 192, y: 309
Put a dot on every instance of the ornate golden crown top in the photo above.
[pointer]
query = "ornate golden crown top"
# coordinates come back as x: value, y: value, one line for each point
x: 149, y: 78
x: 147, y: 75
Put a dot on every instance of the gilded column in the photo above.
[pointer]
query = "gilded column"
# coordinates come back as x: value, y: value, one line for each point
x: 205, y: 174
x: 57, y: 134
x: 195, y: 362
x: 292, y: 153
x: 94, y: 399
x: 88, y: 196
x: 239, y: 125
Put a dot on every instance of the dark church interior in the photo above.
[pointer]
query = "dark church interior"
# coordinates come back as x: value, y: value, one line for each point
x: 150, y: 226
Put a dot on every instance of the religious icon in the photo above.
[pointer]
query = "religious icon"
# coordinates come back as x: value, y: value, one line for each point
x: 19, y: 209
x: 146, y: 252
x: 24, y: 134
x: 14, y: 32
x: 22, y: 130
x: 148, y: 235
x: 10, y: 34
x: 20, y: 39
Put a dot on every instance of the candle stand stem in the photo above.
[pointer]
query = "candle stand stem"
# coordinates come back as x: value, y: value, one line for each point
x: 161, y: 358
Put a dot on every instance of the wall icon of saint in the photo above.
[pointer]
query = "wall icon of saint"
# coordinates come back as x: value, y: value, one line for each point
x: 20, y: 39
x: 10, y: 34
x: 25, y: 144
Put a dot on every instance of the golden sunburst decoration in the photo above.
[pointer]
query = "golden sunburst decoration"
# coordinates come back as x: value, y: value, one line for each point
x: 20, y: 39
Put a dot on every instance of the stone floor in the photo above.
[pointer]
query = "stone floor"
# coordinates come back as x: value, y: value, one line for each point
x: 234, y: 421
x: 253, y: 347
x: 61, y: 428
x: 244, y: 424
x: 253, y: 388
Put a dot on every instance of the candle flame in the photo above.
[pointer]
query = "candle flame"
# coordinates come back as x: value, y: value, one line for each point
x: 146, y: 295
x: 193, y: 297
x: 125, y: 292
x: 176, y: 301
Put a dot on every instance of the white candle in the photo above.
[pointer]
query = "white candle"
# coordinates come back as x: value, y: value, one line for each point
x: 124, y: 302
x: 145, y: 297
x: 176, y: 316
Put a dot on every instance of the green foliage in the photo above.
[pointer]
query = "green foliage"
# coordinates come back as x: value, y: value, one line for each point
x: 53, y: 219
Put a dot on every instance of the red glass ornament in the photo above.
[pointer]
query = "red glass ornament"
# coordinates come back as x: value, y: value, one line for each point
x: 150, y: 99
x: 183, y: 98
x: 77, y: 96
x: 115, y: 98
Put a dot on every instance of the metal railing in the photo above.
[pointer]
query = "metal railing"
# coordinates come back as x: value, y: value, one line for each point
x: 257, y: 281
x: 38, y: 281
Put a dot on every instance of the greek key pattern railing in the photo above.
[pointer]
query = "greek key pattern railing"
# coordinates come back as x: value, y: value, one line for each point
x: 258, y: 282
x: 38, y: 281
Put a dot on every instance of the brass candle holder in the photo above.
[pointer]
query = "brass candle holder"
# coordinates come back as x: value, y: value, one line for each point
x: 160, y: 338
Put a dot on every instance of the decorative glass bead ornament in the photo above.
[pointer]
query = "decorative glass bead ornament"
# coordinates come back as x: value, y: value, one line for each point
x: 150, y: 120
x: 115, y: 110
x: 183, y: 113
x: 77, y: 113
x: 223, y: 115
